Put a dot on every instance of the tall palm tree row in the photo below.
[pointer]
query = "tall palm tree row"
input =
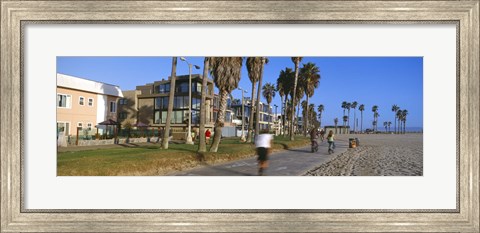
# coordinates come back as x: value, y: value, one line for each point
x: 385, y: 124
x: 404, y: 119
x: 399, y: 115
x: 310, y: 75
x: 389, y: 124
x: 361, y: 108
x: 348, y: 106
x: 320, y: 110
x: 254, y: 68
x: 166, y: 131
x: 395, y: 108
x: 345, y: 119
x: 202, y: 146
x: 354, y: 106
x: 264, y: 61
x: 284, y: 86
x: 268, y: 92
x: 226, y: 76
x: 304, y: 114
x: 296, y: 61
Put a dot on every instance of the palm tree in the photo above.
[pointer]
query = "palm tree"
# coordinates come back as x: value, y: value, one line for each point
x: 284, y: 85
x: 268, y: 93
x: 374, y: 110
x: 404, y: 119
x: 389, y: 123
x: 310, y: 76
x: 361, y: 108
x: 312, y: 115
x: 166, y: 132
x: 335, y: 121
x: 354, y: 106
x: 320, y: 110
x: 203, y: 118
x: 399, y: 118
x: 304, y: 115
x: 296, y: 61
x: 226, y: 75
x: 254, y: 68
x: 394, y: 110
x: 344, y: 106
x: 257, y: 113
x: 376, y: 115
x: 385, y: 124
x: 348, y: 106
x: 345, y: 119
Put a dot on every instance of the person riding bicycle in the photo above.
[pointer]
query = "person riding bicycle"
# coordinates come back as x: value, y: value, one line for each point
x: 313, y: 139
x: 322, y: 134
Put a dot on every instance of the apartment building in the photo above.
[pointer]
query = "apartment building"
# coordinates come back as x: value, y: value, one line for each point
x: 148, y: 104
x: 84, y: 103
x: 266, y: 116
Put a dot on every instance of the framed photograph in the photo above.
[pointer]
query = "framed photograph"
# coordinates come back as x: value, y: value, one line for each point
x: 51, y: 50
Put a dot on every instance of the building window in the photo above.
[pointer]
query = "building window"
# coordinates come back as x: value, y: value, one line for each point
x: 81, y: 100
x: 183, y: 87
x: 90, y: 102
x: 63, y: 101
x: 89, y: 126
x: 80, y: 124
x: 122, y: 115
x: 123, y: 101
x: 162, y: 88
x: 113, y: 107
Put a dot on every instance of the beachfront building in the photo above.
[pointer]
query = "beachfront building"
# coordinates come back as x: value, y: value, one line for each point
x: 337, y: 130
x: 83, y: 103
x: 148, y: 105
x: 266, y: 116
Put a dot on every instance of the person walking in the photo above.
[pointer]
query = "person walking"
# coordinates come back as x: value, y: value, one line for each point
x: 331, y: 141
x: 207, y: 136
x: 263, y: 144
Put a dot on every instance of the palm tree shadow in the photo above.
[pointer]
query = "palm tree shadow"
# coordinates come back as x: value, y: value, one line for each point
x: 202, y: 160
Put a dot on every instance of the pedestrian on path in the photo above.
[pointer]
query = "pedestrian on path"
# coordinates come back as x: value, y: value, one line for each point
x: 207, y: 135
x: 331, y: 141
x: 263, y: 143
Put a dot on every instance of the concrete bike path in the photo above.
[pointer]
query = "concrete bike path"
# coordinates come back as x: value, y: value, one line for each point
x: 293, y: 162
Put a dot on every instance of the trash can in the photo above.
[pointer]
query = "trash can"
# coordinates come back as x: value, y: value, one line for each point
x: 352, y: 143
x: 357, y: 142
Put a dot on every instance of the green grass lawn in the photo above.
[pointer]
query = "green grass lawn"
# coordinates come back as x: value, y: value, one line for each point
x: 149, y: 159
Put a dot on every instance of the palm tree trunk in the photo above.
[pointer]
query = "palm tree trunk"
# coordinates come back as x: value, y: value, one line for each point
x: 250, y: 120
x: 220, y: 121
x: 306, y: 120
x: 268, y: 123
x: 166, y: 132
x: 354, y: 120
x: 283, y: 115
x: 293, y: 100
x: 259, y: 90
x: 361, y: 121
x: 298, y: 113
x: 201, y: 146
x: 348, y: 119
x: 395, y: 125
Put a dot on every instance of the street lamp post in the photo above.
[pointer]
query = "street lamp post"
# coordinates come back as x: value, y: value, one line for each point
x: 243, y: 115
x: 189, y: 134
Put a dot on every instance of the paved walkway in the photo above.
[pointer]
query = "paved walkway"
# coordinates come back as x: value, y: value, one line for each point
x: 294, y: 162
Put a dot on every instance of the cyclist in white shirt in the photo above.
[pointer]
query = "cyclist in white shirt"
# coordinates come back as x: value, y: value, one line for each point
x: 263, y: 143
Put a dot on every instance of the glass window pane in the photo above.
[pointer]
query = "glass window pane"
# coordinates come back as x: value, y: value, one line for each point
x: 158, y: 103
x: 157, y: 117
x: 164, y: 117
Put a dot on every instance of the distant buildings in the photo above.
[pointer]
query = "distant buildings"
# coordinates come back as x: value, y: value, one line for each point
x: 84, y: 103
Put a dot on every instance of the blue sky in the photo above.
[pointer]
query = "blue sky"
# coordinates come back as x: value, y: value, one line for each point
x: 381, y: 81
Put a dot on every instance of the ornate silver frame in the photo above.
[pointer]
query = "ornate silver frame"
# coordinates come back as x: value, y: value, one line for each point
x: 14, y: 218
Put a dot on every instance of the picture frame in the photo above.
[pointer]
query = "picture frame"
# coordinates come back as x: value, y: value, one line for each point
x: 14, y: 218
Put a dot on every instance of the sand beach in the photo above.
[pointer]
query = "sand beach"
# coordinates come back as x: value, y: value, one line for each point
x: 377, y: 155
